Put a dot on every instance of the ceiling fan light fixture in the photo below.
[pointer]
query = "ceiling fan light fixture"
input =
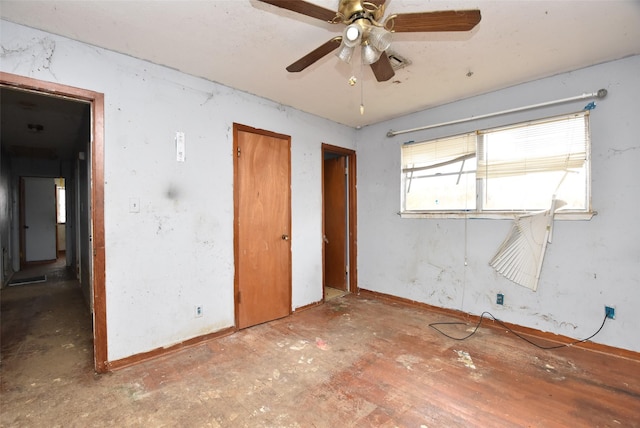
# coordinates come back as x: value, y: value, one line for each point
x: 352, y: 35
x: 379, y: 38
x: 345, y: 52
x: 370, y: 54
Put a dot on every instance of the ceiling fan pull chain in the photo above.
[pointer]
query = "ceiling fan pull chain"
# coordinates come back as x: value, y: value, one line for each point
x: 361, y: 89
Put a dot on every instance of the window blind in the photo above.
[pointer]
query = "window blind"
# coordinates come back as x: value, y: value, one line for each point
x: 558, y: 144
x: 426, y: 155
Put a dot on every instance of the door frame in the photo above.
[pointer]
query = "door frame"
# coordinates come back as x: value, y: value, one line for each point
x: 96, y: 183
x: 236, y: 209
x: 352, y: 244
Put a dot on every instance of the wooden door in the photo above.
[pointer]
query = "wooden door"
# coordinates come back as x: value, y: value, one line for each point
x: 335, y: 223
x: 39, y: 219
x: 262, y: 226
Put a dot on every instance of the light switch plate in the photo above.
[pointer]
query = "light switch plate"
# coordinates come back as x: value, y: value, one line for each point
x: 180, y: 147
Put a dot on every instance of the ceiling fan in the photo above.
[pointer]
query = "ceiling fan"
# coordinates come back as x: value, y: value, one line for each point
x: 365, y: 28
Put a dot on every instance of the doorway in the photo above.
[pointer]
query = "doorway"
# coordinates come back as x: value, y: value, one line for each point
x: 338, y: 221
x: 262, y: 225
x: 89, y: 188
x: 38, y: 220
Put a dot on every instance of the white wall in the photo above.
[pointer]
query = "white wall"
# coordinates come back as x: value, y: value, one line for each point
x: 177, y: 252
x: 589, y: 264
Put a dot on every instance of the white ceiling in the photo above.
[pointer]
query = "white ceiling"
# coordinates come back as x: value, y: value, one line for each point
x: 247, y: 44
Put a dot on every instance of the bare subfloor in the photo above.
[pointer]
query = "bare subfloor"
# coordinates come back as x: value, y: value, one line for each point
x: 350, y: 362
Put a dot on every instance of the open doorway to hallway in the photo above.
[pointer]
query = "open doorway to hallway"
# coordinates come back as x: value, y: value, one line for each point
x: 339, y: 221
x: 51, y: 134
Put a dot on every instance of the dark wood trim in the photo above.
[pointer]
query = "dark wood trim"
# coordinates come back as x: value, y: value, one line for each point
x: 236, y: 225
x: 98, y: 240
x: 29, y: 84
x: 543, y: 335
x: 161, y: 352
x: 353, y: 212
x: 309, y: 306
x: 353, y: 223
x: 96, y: 101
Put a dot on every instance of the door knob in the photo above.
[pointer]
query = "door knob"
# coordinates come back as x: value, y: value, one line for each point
x: 285, y: 237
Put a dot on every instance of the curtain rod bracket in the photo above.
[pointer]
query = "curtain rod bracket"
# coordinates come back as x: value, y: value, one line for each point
x: 599, y: 94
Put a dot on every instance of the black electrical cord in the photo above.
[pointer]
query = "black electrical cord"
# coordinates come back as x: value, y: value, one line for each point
x: 433, y: 326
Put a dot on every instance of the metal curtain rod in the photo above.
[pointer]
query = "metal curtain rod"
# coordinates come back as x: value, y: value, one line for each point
x: 600, y: 94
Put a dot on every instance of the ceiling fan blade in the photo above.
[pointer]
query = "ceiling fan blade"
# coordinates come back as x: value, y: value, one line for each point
x: 304, y: 8
x: 448, y: 20
x: 315, y: 55
x: 382, y: 68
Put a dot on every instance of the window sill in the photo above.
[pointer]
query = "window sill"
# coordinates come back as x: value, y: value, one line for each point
x: 560, y: 215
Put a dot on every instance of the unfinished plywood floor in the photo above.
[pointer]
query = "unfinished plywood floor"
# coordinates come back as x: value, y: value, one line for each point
x: 332, y: 293
x: 352, y: 362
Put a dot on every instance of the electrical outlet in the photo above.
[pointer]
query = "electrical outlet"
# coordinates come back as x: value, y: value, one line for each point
x: 198, y: 311
x: 610, y: 312
x: 500, y: 299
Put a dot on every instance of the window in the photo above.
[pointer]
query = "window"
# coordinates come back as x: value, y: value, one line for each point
x: 518, y: 168
x: 61, y: 212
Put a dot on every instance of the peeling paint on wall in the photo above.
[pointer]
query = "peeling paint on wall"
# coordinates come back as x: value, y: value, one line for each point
x: 37, y: 54
x: 616, y: 152
x: 550, y: 319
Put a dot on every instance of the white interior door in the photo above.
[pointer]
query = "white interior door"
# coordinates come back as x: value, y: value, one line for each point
x: 39, y: 219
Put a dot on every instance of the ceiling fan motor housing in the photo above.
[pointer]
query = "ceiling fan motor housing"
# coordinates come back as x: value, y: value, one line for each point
x: 351, y: 10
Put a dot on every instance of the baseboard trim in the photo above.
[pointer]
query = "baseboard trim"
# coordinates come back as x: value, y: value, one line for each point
x: 306, y: 307
x: 531, y: 332
x: 161, y: 352
x: 551, y: 337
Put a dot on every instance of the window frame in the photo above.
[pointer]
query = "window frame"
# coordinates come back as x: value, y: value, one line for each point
x: 480, y: 183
